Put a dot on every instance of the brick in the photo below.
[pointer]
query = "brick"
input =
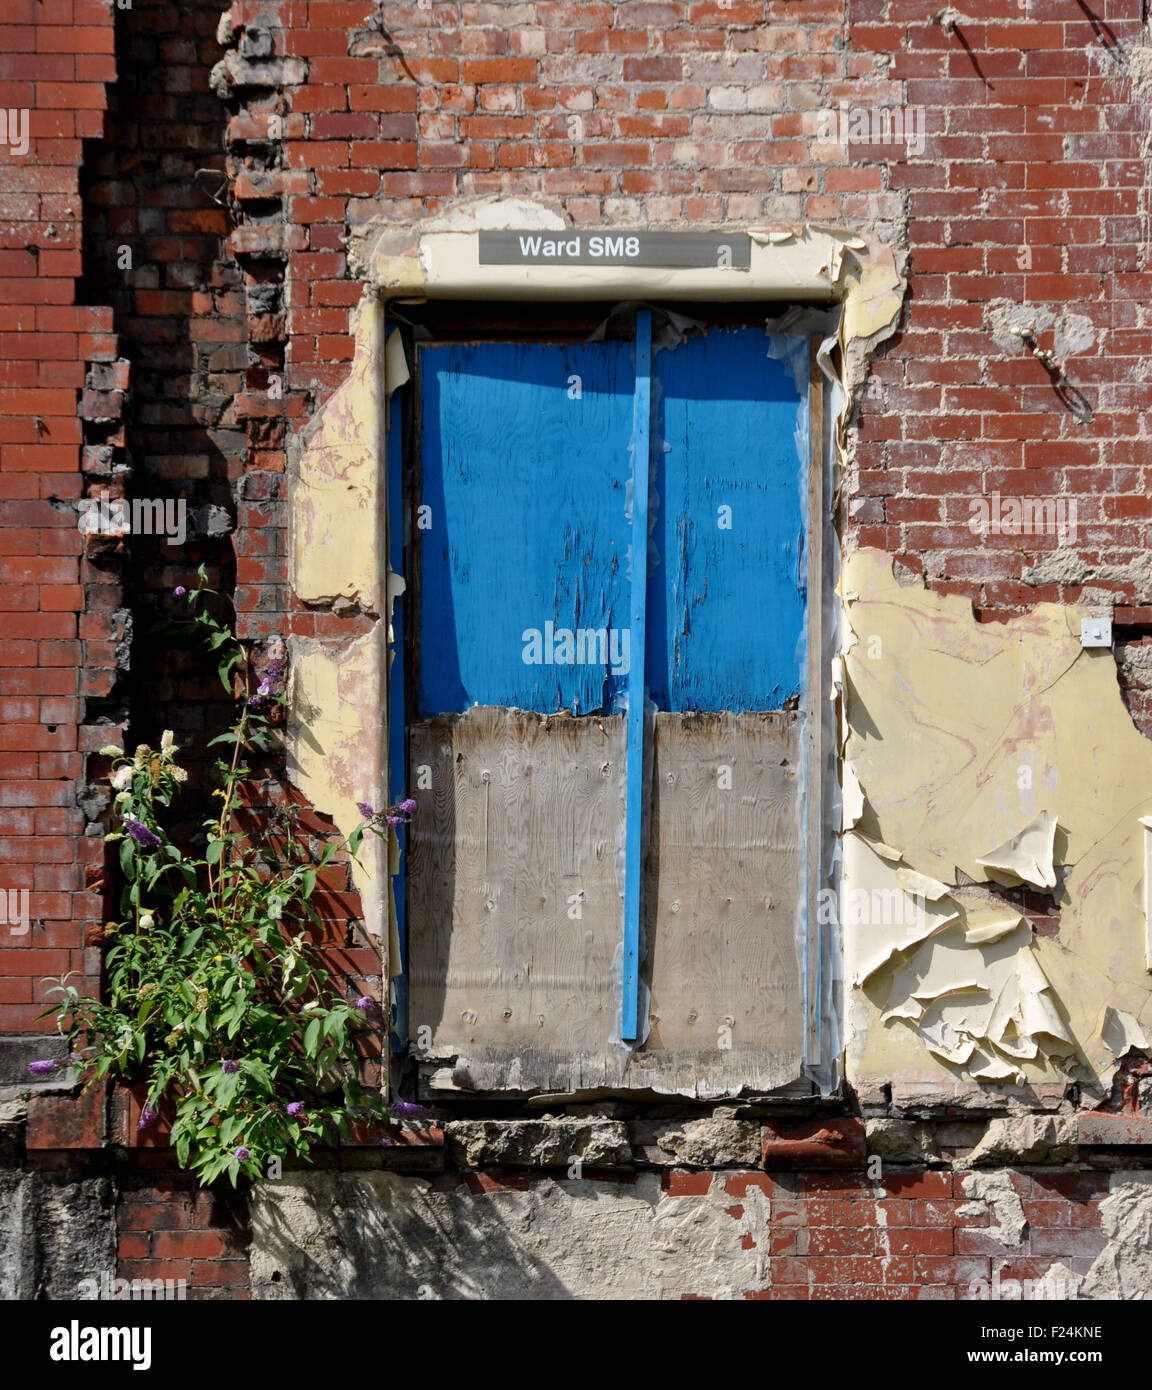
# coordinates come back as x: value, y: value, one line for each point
x: 814, y: 1144
x: 66, y: 1122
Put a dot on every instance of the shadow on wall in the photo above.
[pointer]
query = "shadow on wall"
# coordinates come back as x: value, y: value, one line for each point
x: 380, y: 1235
x: 155, y: 249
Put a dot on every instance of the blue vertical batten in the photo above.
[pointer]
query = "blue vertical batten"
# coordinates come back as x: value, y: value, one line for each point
x: 633, y: 836
x: 727, y: 600
x: 397, y: 770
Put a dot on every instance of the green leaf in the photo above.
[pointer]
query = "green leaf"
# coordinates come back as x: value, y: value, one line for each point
x: 215, y: 850
x: 312, y: 1037
x: 354, y: 840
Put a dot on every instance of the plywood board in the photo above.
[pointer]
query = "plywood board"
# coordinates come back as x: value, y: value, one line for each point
x: 725, y: 880
x: 527, y: 811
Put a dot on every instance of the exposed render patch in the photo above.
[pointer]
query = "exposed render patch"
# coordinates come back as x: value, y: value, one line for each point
x: 1010, y: 736
x: 993, y: 1193
x: 384, y: 1235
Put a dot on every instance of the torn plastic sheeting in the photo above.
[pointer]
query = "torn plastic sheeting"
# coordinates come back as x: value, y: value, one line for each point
x: 669, y: 329
x: 396, y: 373
x: 1027, y: 855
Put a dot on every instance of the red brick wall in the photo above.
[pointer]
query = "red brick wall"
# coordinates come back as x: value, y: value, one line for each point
x: 170, y: 1228
x: 1031, y: 188
x: 840, y: 1236
x: 56, y: 57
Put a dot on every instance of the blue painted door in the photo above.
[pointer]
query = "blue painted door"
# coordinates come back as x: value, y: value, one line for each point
x: 527, y: 519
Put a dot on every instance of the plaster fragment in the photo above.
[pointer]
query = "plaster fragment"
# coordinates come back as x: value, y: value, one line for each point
x: 1027, y: 855
x: 985, y: 925
x: 993, y: 1193
x: 853, y: 798
x: 1121, y: 1032
x: 1123, y: 1269
x: 1027, y: 1139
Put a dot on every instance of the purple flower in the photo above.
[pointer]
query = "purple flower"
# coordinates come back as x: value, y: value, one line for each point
x: 141, y: 834
x: 179, y: 590
x: 275, y: 670
x: 394, y: 820
x: 265, y: 687
x: 365, y: 1003
x: 74, y: 1058
x: 229, y: 1067
x: 49, y: 1067
x: 242, y: 1153
x: 405, y: 1109
x: 294, y: 1107
x: 387, y: 1142
x: 365, y: 810
x: 407, y: 806
x: 147, y: 1117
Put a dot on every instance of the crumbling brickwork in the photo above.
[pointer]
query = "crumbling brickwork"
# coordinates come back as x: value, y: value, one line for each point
x: 182, y: 249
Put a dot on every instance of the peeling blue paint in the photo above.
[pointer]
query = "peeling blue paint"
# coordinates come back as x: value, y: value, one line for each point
x: 525, y: 466
x: 526, y: 471
x: 726, y: 597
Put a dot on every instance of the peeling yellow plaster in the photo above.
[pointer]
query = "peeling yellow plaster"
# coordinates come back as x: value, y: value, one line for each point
x: 960, y: 735
x: 335, y: 747
x: 805, y: 263
x: 338, y: 492
x: 873, y: 295
x: 337, y: 725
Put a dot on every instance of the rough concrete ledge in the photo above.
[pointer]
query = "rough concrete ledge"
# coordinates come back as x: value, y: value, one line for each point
x: 17, y: 1050
x: 537, y: 1143
x: 55, y: 1233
